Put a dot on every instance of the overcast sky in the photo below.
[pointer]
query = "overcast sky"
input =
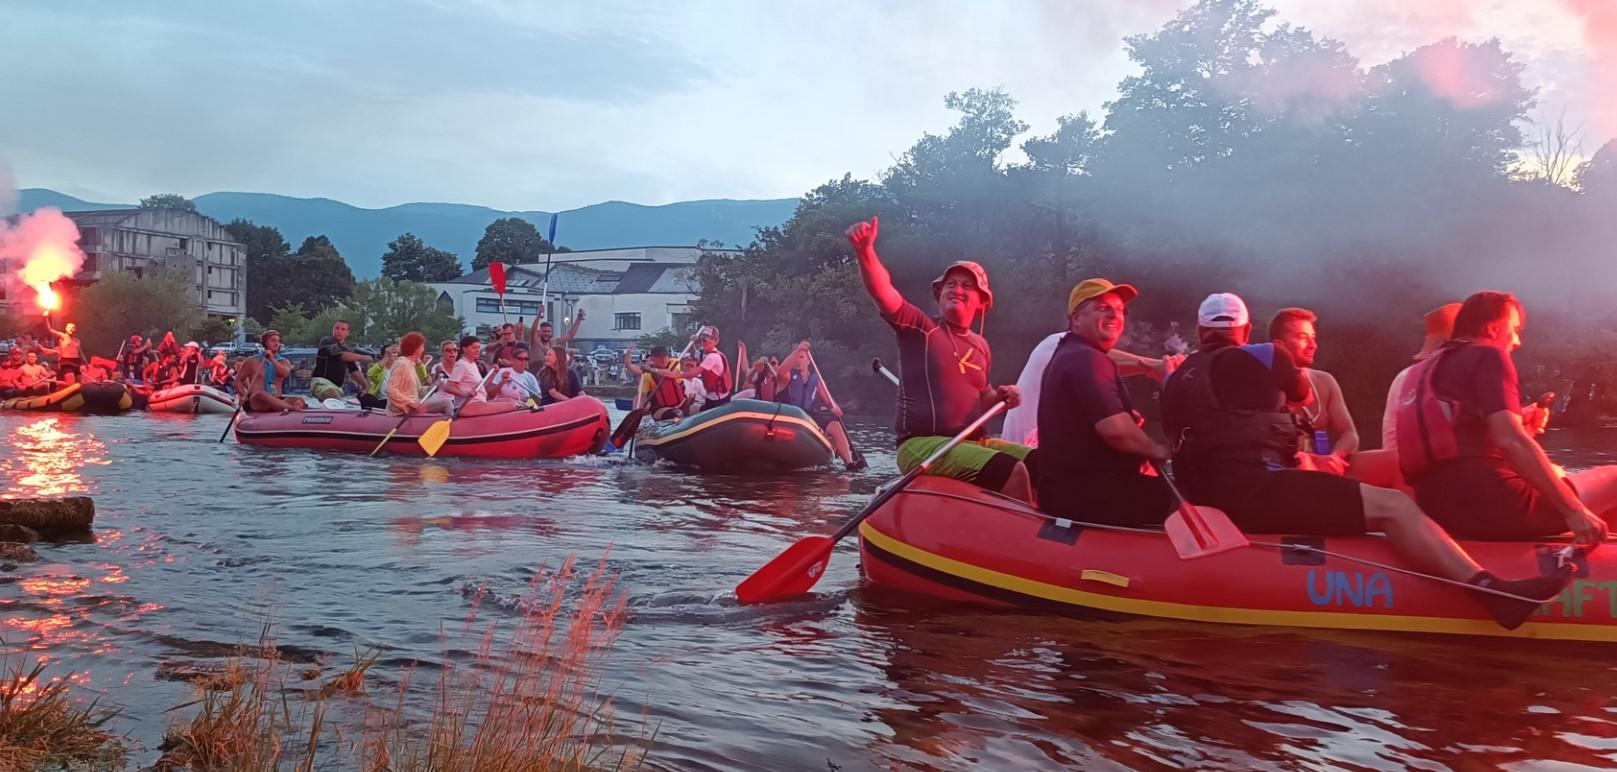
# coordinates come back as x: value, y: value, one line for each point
x: 515, y: 105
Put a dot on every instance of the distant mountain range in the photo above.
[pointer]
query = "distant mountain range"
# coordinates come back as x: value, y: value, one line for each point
x: 362, y: 234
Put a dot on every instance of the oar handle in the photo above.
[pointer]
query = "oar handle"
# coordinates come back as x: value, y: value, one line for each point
x: 876, y: 367
x: 919, y: 470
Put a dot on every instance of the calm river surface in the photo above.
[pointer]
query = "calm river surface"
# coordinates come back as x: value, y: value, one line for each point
x: 197, y: 542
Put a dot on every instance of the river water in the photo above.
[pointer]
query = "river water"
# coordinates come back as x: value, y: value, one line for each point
x: 197, y: 543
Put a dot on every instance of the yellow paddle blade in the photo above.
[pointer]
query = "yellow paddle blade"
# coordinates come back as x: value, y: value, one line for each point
x: 434, y: 437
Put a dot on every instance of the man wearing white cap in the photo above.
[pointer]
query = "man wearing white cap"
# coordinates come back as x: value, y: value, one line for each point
x: 943, y: 372
x: 1235, y: 447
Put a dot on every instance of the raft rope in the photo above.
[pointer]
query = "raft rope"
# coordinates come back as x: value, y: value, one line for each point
x: 1562, y: 557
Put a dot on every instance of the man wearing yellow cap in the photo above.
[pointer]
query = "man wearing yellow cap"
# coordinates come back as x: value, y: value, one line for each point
x: 1093, y: 459
x: 943, y: 372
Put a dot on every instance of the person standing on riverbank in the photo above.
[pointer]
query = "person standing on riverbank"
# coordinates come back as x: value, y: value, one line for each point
x: 943, y: 372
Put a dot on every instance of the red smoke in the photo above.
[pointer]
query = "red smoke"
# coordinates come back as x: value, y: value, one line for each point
x: 39, y: 249
x: 1600, y: 34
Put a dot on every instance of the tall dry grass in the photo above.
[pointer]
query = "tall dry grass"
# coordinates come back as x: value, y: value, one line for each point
x: 531, y: 699
x: 43, y: 725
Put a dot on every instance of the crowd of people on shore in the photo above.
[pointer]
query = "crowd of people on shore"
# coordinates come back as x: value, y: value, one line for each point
x: 1252, y: 429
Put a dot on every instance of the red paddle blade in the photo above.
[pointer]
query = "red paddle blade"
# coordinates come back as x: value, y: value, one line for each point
x: 1197, y: 532
x: 496, y: 276
x: 792, y: 572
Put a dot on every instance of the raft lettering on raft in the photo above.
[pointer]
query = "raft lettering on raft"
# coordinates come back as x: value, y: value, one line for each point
x: 1356, y: 589
x: 1578, y: 597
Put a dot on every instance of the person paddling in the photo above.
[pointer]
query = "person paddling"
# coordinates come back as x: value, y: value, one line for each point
x: 404, y: 387
x: 943, y: 373
x: 1463, y: 446
x: 800, y: 385
x: 1235, y: 448
x: 658, y: 395
x: 711, y: 370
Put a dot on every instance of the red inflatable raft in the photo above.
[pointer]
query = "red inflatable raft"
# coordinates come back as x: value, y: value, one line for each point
x: 555, y: 431
x: 954, y: 541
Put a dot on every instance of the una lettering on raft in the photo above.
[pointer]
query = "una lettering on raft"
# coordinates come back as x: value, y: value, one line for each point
x: 1344, y: 588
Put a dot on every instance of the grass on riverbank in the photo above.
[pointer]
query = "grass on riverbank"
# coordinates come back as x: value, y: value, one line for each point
x: 530, y: 700
x: 42, y: 723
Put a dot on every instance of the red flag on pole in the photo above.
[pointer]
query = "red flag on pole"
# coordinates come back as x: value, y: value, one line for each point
x: 496, y: 274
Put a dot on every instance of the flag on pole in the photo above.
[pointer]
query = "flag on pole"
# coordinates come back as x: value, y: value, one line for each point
x: 552, y: 237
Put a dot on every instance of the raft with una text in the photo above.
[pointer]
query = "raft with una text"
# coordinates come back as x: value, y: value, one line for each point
x: 953, y: 541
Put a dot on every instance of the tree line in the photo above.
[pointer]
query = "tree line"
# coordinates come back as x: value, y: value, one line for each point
x: 1245, y: 155
x: 301, y: 292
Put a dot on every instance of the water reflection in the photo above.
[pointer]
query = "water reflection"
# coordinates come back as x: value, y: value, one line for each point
x: 198, y: 543
x: 44, y: 458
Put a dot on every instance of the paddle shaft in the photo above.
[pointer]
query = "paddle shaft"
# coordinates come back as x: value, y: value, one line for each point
x: 240, y: 400
x: 406, y: 417
x: 1192, y: 518
x: 919, y: 470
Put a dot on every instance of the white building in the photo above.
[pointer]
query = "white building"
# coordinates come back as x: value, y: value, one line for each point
x: 624, y: 293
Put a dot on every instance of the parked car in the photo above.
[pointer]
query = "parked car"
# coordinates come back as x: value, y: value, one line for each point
x: 604, y: 355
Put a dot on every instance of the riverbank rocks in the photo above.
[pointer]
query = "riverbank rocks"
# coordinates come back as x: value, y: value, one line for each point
x: 12, y: 553
x: 20, y: 534
x: 67, y: 517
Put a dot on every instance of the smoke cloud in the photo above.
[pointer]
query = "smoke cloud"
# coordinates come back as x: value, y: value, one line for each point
x: 37, y: 249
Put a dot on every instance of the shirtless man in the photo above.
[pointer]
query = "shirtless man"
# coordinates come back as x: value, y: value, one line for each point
x: 1292, y: 329
x: 261, y: 379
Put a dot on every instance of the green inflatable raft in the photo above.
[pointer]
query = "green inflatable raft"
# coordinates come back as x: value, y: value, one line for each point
x: 746, y: 435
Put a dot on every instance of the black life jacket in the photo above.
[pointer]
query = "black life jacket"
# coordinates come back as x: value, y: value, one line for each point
x: 1204, y: 432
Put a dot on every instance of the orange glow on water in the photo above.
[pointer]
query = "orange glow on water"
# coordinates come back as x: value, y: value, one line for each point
x: 49, y: 460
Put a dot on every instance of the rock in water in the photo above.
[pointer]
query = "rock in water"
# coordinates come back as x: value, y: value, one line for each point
x: 50, y: 518
x: 20, y: 534
x: 12, y: 553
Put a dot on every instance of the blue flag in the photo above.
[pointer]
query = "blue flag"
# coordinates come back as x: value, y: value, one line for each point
x: 552, y: 237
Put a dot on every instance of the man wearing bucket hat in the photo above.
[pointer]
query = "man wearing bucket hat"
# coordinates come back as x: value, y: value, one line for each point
x: 943, y: 372
x: 1235, y: 447
x: 1094, y: 454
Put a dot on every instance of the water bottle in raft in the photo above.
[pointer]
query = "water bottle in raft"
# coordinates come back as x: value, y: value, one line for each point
x: 1322, y: 442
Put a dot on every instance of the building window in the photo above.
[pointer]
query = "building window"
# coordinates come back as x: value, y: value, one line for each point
x: 520, y: 308
x: 626, y: 321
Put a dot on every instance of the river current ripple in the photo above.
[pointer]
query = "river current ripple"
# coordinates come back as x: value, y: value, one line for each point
x: 198, y: 543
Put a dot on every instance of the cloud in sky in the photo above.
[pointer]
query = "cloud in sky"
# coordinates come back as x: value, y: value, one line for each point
x: 522, y: 105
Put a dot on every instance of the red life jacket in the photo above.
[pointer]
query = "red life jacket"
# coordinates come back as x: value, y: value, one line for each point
x: 1426, y: 422
x: 666, y: 393
x: 717, y: 384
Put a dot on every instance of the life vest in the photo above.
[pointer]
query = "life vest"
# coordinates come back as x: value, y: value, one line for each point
x: 665, y: 393
x: 802, y: 392
x: 1432, y: 429
x: 716, y: 385
x: 1211, y: 433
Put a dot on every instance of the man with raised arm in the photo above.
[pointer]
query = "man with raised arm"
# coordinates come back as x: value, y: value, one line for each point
x: 943, y: 372
x: 543, y: 335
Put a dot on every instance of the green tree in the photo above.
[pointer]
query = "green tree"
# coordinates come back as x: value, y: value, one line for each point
x: 168, y: 201
x: 269, y: 259
x: 511, y: 240
x: 292, y: 322
x: 318, y: 277
x: 382, y: 310
x: 126, y: 304
x: 408, y: 258
x: 209, y: 331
